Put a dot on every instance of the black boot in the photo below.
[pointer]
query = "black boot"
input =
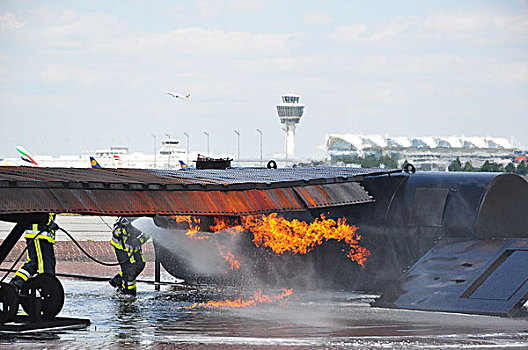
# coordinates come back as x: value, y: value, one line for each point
x: 115, y: 281
x: 127, y: 291
x: 17, y: 284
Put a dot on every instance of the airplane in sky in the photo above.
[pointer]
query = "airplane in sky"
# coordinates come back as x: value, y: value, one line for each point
x: 176, y: 95
x: 25, y: 155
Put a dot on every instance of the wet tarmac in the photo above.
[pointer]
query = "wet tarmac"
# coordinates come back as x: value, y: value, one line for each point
x: 323, y: 320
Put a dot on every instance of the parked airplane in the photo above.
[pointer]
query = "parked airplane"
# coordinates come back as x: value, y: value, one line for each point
x: 94, y: 163
x: 25, y: 155
x: 176, y: 95
x: 183, y: 165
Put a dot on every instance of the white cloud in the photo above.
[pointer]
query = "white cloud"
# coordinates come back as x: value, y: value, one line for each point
x: 101, y: 33
x: 9, y: 23
x: 348, y: 34
x: 516, y: 72
x: 78, y: 76
x: 512, y: 23
x: 201, y: 41
x: 212, y: 8
x: 478, y: 27
x: 438, y: 91
x: 79, y: 26
x: 314, y: 18
x: 456, y: 22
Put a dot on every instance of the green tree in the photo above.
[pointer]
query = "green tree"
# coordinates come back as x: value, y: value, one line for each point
x: 455, y: 165
x: 490, y: 167
x: 389, y: 162
x: 510, y: 168
x: 522, y: 168
x: 468, y: 166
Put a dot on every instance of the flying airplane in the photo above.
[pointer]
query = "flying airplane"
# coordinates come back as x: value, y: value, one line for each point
x: 25, y: 155
x: 176, y: 95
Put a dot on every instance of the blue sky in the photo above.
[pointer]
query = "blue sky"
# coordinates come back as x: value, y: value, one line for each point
x: 83, y: 75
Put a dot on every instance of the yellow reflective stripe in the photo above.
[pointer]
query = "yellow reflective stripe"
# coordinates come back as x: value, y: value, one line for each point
x: 39, y: 257
x: 132, y: 260
x: 34, y: 227
x: 20, y: 273
x: 42, y: 235
x: 31, y: 234
x: 126, y: 248
x: 132, y: 286
x: 142, y: 257
x: 117, y: 245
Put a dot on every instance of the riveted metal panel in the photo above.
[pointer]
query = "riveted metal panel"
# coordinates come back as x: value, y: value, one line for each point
x: 345, y: 193
x: 24, y: 200
x: 148, y: 192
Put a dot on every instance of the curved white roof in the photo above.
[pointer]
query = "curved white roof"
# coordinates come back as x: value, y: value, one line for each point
x: 359, y: 142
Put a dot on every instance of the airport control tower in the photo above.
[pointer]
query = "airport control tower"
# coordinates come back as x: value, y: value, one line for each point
x: 290, y: 112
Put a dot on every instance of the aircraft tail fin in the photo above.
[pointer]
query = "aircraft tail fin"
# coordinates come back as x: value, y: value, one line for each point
x: 183, y: 165
x: 25, y: 155
x: 94, y: 163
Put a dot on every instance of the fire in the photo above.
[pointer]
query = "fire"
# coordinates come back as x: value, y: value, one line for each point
x: 194, y: 225
x: 297, y: 237
x: 225, y: 253
x: 257, y: 298
x: 219, y: 225
x: 223, y: 224
x: 283, y: 235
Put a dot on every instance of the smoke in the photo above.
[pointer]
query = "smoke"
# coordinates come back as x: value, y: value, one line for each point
x: 210, y: 256
x: 231, y: 256
x: 200, y: 255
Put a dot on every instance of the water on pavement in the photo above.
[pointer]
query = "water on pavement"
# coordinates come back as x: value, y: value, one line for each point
x: 331, y: 320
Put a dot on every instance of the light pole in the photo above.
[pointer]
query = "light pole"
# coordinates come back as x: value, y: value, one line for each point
x: 238, y: 145
x: 207, y: 134
x: 154, y: 136
x: 260, y: 133
x: 170, y: 151
x: 128, y: 150
x: 187, y: 135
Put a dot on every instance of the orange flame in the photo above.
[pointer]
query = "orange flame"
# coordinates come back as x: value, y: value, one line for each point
x: 297, y: 237
x: 225, y: 253
x: 194, y: 225
x: 221, y: 224
x: 257, y: 298
x: 283, y: 235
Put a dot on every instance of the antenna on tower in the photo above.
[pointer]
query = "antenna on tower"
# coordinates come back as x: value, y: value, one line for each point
x: 290, y: 112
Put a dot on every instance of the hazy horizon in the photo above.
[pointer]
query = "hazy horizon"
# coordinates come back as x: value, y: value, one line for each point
x: 80, y: 76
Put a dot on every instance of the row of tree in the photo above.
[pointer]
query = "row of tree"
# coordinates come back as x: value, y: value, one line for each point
x: 371, y: 162
x: 488, y: 166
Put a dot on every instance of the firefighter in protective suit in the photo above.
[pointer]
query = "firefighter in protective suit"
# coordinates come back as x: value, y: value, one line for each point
x: 40, y: 239
x: 127, y: 242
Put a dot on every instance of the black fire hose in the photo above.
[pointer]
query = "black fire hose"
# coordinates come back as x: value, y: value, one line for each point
x: 104, y: 279
x: 74, y: 241
x: 93, y: 278
x: 88, y: 254
x: 23, y: 251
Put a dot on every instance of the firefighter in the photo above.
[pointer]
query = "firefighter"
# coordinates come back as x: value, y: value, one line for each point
x: 127, y: 242
x: 40, y: 240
